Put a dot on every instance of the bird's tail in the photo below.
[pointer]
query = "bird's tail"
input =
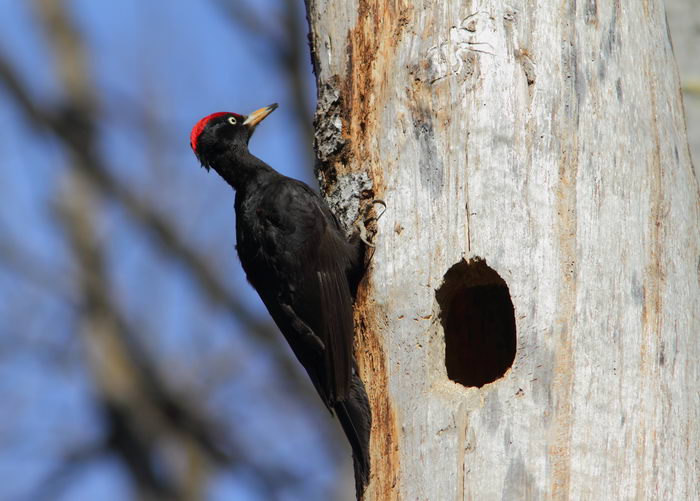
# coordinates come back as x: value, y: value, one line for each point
x: 355, y: 417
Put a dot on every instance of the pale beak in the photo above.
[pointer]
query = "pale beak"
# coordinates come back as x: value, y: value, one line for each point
x: 259, y: 115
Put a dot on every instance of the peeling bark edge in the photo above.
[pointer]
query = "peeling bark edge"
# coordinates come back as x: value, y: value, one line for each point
x: 347, y: 189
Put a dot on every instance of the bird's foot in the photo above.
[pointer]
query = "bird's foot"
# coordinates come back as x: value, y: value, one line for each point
x: 362, y: 220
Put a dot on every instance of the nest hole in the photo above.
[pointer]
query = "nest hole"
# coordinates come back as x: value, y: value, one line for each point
x: 479, y: 323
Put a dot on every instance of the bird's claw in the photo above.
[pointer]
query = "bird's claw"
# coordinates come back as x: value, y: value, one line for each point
x: 361, y: 223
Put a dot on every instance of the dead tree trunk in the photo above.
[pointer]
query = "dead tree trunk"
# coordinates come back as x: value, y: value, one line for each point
x: 529, y: 325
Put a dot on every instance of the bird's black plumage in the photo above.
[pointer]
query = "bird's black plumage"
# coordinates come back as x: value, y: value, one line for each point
x: 296, y: 256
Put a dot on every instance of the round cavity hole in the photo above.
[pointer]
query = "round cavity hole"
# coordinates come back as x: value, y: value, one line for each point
x: 479, y: 323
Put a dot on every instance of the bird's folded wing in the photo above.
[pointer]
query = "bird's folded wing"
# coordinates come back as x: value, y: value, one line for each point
x: 337, y: 325
x: 320, y: 290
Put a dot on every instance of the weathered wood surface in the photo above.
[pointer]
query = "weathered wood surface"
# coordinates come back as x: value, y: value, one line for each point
x: 548, y: 139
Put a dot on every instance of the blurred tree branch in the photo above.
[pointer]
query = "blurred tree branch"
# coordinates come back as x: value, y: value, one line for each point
x: 18, y: 260
x: 139, y: 412
x: 134, y: 419
x: 286, y: 49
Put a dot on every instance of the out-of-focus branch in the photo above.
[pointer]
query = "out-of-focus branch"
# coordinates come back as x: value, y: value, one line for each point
x: 293, y: 59
x: 286, y: 50
x: 64, y: 472
x: 18, y: 261
x: 70, y: 54
x: 140, y: 413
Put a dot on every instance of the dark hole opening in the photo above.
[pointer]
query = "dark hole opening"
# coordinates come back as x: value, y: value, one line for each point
x: 479, y: 323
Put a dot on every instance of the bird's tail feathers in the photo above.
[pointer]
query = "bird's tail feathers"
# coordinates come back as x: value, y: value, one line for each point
x: 355, y: 417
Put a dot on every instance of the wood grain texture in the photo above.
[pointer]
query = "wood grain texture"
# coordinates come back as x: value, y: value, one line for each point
x: 548, y: 139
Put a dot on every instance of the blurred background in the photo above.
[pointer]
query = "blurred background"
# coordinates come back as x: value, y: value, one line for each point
x: 135, y: 361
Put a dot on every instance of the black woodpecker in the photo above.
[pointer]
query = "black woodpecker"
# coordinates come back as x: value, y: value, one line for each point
x: 295, y: 254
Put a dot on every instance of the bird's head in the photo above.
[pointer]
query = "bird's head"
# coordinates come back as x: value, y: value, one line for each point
x: 224, y: 131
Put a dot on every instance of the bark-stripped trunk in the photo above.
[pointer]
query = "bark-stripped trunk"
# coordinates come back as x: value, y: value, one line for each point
x: 544, y: 143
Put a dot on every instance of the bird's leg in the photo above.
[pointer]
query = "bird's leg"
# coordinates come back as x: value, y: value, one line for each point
x: 299, y: 326
x: 356, y: 240
x: 362, y: 220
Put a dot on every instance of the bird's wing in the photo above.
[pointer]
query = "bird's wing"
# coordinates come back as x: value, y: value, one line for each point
x: 313, y: 256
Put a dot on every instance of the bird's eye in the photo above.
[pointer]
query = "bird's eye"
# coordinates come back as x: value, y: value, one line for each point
x: 232, y: 120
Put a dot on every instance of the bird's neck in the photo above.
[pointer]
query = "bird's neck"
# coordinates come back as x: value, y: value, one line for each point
x: 243, y: 170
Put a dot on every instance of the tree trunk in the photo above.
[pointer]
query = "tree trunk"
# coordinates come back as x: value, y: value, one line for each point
x: 528, y: 326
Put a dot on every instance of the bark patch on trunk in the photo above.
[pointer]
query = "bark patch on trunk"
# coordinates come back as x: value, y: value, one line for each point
x: 384, y: 446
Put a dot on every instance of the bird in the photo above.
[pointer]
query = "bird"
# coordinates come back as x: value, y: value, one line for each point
x: 296, y: 255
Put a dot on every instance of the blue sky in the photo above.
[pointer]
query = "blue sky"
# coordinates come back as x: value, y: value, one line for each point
x: 165, y: 64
